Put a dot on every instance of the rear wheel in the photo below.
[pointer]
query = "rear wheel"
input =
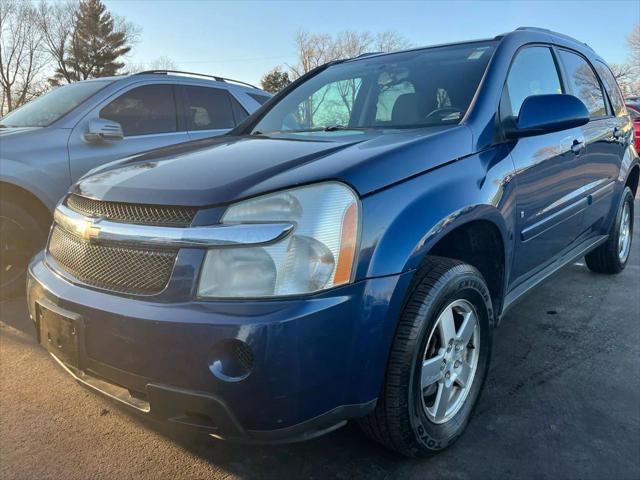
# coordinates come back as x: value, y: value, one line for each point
x: 438, y: 361
x: 612, y: 256
x: 21, y: 236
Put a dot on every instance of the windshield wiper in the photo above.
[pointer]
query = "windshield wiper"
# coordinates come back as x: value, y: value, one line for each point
x: 329, y: 128
x: 338, y: 128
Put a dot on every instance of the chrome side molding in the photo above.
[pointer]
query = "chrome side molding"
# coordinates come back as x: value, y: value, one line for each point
x: 100, y: 230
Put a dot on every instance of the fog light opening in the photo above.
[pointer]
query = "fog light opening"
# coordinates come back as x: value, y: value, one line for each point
x: 231, y: 360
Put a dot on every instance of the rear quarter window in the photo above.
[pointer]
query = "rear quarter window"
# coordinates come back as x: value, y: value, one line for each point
x: 583, y: 83
x: 612, y: 88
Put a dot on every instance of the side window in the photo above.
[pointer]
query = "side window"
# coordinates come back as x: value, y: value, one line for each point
x: 612, y: 88
x: 238, y: 110
x: 144, y: 110
x: 261, y: 99
x: 208, y: 108
x: 330, y: 105
x: 533, y: 72
x: 583, y: 83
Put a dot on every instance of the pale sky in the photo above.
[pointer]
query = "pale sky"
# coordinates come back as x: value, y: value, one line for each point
x: 243, y: 39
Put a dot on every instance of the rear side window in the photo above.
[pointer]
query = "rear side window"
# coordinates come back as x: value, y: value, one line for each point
x: 533, y: 72
x: 144, y: 110
x: 583, y: 83
x: 238, y: 110
x: 261, y: 99
x: 611, y: 86
x: 208, y: 108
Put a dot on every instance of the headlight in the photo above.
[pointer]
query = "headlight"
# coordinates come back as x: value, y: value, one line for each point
x: 318, y: 255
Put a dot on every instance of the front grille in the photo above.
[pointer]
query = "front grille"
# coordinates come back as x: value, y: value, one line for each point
x: 132, y: 213
x: 139, y: 271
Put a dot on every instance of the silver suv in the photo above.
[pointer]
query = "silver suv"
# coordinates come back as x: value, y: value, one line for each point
x: 50, y: 142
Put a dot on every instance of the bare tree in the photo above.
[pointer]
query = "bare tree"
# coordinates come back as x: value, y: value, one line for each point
x: 163, y: 62
x: 57, y: 22
x: 390, y: 41
x: 314, y: 50
x: 22, y: 59
x: 633, y: 41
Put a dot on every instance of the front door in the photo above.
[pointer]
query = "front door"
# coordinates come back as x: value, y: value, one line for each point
x: 549, y: 200
x: 149, y: 120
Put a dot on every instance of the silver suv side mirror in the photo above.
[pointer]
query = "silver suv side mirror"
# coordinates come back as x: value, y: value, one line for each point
x: 101, y: 129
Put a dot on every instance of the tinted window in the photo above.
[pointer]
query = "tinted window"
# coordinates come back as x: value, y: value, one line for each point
x: 612, y: 88
x: 50, y: 107
x: 419, y: 88
x: 144, y: 110
x: 533, y: 72
x: 583, y: 83
x: 261, y: 99
x: 239, y: 112
x: 208, y: 108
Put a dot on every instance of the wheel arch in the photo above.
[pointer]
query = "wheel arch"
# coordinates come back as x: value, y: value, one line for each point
x: 632, y: 179
x: 15, y: 193
x: 479, y: 238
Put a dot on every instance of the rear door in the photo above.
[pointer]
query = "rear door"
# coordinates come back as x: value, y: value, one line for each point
x: 550, y: 203
x: 600, y: 162
x: 149, y: 120
x: 210, y: 111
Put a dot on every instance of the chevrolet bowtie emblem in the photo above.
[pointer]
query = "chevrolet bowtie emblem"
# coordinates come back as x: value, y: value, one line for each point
x: 83, y: 227
x: 89, y: 231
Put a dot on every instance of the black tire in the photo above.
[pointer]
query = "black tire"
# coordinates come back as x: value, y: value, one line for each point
x: 606, y: 258
x: 399, y: 420
x: 21, y: 237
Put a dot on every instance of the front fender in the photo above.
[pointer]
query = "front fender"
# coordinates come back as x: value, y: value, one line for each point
x: 32, y: 180
x: 402, y: 224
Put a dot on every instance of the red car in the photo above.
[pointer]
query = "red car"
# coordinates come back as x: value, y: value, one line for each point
x: 634, y: 111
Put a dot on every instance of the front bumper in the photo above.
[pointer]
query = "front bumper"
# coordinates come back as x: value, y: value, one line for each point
x: 316, y: 361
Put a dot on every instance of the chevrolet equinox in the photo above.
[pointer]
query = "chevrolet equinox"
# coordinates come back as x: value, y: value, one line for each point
x: 348, y: 250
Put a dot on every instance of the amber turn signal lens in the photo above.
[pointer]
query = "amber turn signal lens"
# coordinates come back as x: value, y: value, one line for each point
x: 348, y: 240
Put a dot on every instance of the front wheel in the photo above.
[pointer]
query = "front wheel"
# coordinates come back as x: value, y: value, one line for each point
x: 21, y: 236
x: 438, y: 361
x: 612, y: 256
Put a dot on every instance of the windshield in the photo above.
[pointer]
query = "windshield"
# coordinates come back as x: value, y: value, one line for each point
x: 426, y: 87
x: 47, y: 109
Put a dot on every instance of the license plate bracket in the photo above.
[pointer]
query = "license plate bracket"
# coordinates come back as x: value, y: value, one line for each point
x: 59, y: 332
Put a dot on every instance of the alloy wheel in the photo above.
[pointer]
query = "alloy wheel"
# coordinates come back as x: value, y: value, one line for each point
x: 450, y: 361
x: 624, y: 237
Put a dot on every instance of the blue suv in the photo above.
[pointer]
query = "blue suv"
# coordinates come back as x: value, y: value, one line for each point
x: 49, y: 143
x: 348, y: 250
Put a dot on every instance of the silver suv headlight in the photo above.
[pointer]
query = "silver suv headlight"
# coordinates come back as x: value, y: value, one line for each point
x: 318, y: 254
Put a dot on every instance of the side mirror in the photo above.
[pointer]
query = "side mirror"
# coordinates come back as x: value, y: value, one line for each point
x: 542, y: 114
x: 101, y: 129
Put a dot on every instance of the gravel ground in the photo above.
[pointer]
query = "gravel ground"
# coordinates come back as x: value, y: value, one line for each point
x: 562, y: 401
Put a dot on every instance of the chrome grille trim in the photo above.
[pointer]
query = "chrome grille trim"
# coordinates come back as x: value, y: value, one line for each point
x: 103, y: 231
x: 132, y: 213
x: 117, y: 269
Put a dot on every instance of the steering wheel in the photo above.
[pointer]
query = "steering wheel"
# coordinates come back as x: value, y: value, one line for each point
x: 442, y: 112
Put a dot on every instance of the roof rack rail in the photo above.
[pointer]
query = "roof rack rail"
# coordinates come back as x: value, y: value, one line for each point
x: 180, y: 72
x: 546, y: 30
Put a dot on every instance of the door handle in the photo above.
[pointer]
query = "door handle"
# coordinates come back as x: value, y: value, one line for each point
x: 577, y: 146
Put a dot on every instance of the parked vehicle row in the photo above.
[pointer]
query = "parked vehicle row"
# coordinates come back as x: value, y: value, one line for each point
x: 346, y: 251
x: 52, y: 141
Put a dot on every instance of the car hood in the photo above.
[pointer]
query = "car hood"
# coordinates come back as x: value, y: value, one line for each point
x: 220, y: 170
